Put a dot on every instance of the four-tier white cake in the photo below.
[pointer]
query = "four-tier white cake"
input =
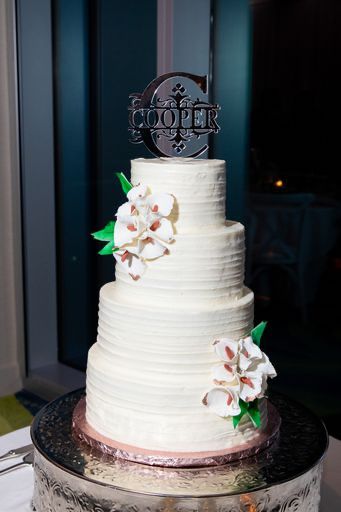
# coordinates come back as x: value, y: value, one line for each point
x: 152, y: 363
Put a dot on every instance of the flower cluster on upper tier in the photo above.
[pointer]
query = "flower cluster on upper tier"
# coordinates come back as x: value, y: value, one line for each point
x: 141, y: 229
x: 241, y: 376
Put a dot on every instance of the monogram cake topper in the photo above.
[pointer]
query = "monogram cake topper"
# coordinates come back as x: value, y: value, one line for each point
x: 167, y: 125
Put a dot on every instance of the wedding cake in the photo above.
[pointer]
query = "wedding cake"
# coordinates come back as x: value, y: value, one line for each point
x: 177, y: 366
x: 177, y: 378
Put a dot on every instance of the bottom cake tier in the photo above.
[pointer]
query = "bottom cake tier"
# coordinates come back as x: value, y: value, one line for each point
x: 70, y: 475
x: 151, y: 369
x: 85, y: 432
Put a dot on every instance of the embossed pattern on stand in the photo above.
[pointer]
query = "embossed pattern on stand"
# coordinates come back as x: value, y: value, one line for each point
x: 53, y: 493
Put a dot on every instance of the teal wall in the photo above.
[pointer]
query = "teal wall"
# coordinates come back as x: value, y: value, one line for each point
x: 126, y: 64
x: 231, y: 89
x: 104, y: 51
x: 72, y: 158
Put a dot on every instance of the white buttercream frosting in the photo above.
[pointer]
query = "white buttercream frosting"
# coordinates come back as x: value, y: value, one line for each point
x: 201, y: 268
x: 152, y: 363
x: 197, y: 185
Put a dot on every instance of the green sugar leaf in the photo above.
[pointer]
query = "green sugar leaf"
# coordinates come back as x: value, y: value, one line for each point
x: 125, y: 184
x: 257, y: 333
x: 254, y: 413
x: 243, y: 410
x: 106, y: 234
x: 108, y: 249
x: 236, y: 419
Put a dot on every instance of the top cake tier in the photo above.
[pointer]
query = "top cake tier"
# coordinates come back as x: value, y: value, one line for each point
x: 199, y: 187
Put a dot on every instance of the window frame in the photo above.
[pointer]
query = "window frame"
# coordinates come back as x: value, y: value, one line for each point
x: 45, y: 375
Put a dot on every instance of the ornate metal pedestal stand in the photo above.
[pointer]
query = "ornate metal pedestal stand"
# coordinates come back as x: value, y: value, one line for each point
x: 70, y: 476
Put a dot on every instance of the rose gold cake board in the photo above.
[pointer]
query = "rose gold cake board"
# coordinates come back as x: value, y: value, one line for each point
x: 72, y: 476
x: 86, y: 433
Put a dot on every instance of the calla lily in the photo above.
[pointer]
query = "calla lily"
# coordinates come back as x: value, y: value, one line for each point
x: 126, y: 230
x: 266, y: 367
x: 127, y: 212
x: 138, y: 192
x: 160, y: 204
x: 162, y: 229
x: 224, y: 374
x: 254, y: 370
x: 149, y: 248
x: 222, y: 401
x: 227, y: 350
x: 133, y: 265
x: 248, y: 353
x: 250, y: 386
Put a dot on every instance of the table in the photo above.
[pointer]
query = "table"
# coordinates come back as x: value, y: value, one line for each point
x: 16, y: 488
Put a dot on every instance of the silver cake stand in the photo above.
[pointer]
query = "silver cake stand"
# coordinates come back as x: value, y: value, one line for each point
x: 70, y: 476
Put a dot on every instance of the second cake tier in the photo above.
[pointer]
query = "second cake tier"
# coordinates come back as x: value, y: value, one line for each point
x: 201, y: 268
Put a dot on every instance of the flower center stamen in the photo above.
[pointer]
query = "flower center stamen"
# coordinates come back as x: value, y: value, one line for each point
x: 247, y: 381
x: 229, y: 399
x: 229, y: 352
x: 131, y: 227
x: 228, y: 368
x: 149, y: 240
x: 124, y: 256
x: 155, y: 225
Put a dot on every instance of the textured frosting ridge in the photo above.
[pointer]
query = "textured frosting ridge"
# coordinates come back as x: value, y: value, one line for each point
x: 200, y: 269
x: 197, y: 185
x: 152, y: 363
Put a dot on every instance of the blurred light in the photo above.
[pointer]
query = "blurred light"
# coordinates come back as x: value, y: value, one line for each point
x: 279, y: 183
x: 249, y: 502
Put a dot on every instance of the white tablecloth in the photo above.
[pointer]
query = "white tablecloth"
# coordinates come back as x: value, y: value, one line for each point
x: 16, y: 488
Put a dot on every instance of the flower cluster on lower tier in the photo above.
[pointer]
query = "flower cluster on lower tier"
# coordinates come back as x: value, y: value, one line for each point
x: 142, y: 229
x: 240, y: 378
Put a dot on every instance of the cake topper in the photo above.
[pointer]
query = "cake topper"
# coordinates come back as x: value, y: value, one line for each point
x: 176, y: 119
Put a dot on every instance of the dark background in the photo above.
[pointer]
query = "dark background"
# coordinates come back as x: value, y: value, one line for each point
x: 295, y: 137
x: 296, y: 101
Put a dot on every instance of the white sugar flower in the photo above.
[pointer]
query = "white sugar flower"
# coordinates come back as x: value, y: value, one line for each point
x: 254, y: 370
x: 141, y: 230
x: 242, y: 374
x: 248, y: 352
x: 225, y: 375
x: 227, y: 350
x: 131, y: 263
x: 137, y: 193
x: 223, y: 401
x: 251, y: 386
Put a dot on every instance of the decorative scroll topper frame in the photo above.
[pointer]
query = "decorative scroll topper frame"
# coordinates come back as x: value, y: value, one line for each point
x: 176, y: 119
